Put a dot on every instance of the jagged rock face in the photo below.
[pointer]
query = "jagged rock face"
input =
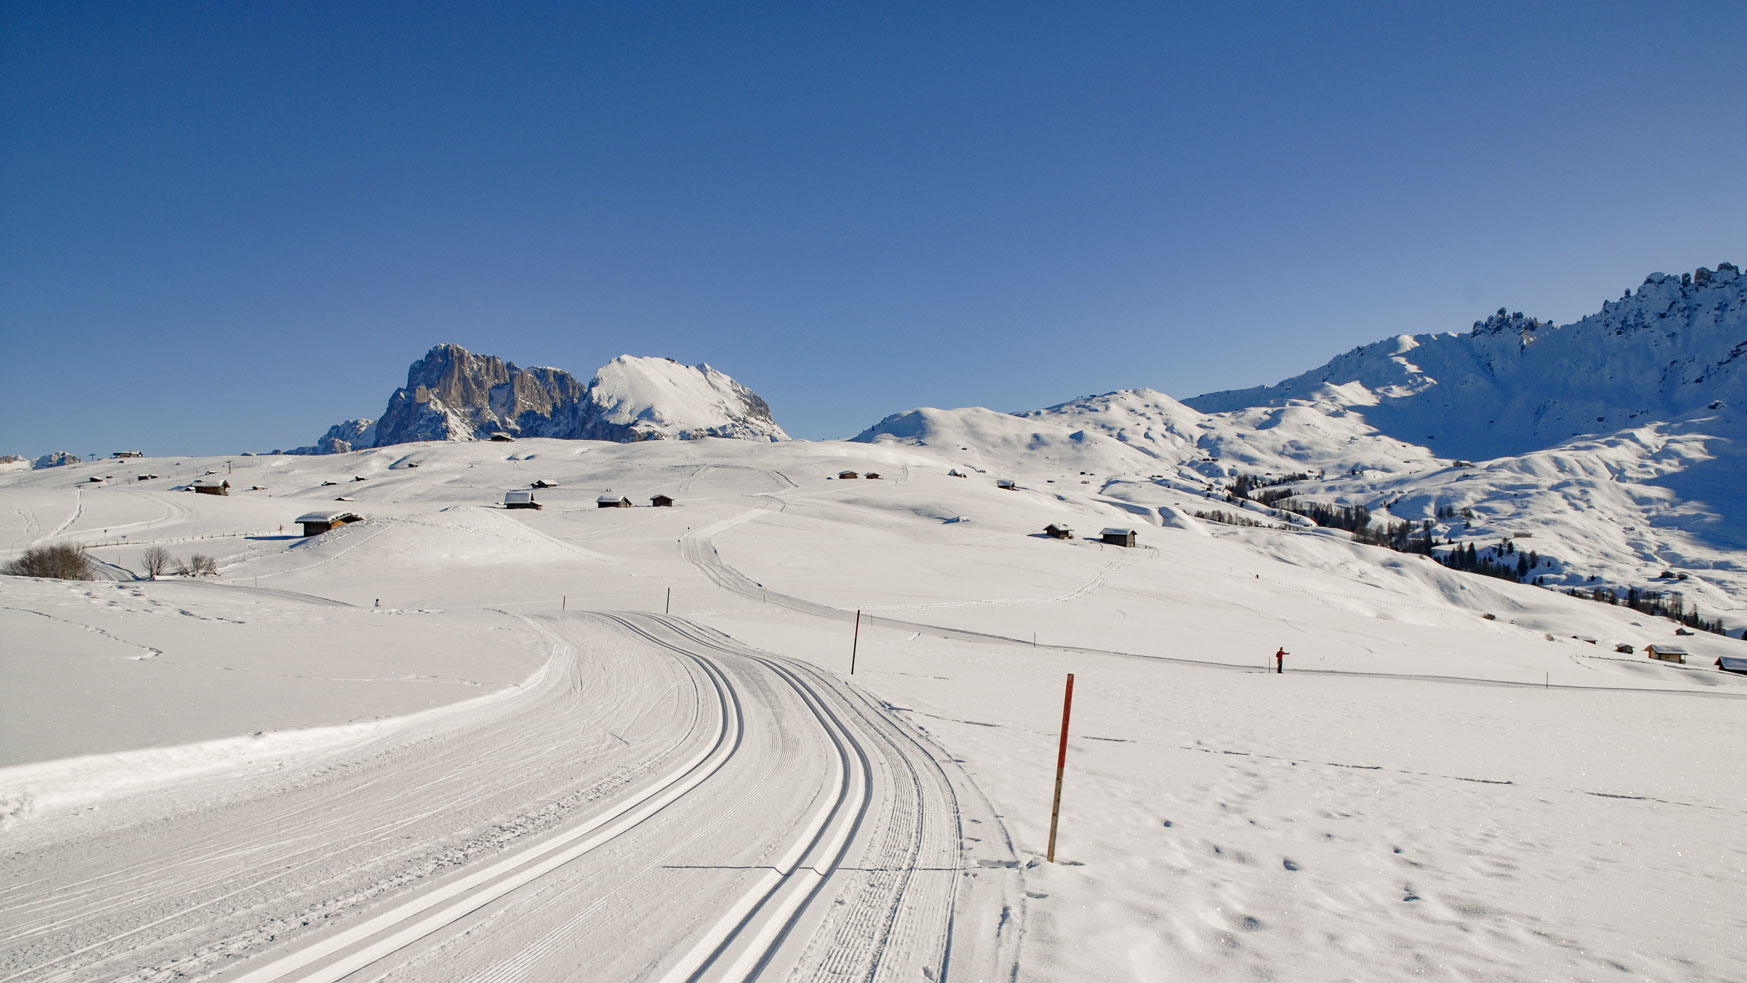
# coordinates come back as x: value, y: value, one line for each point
x: 454, y: 394
x: 1515, y: 384
x: 56, y: 460
x: 341, y: 437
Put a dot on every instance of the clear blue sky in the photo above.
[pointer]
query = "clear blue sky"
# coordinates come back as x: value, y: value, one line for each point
x: 225, y: 226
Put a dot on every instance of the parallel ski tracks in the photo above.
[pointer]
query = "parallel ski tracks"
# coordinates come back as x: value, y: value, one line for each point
x: 889, y: 916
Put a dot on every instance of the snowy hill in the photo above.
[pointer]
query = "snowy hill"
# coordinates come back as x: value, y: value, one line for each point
x: 453, y: 394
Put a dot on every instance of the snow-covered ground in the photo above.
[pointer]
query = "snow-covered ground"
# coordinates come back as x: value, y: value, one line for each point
x: 454, y: 741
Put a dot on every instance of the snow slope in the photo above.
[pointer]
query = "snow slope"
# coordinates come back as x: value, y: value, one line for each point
x: 624, y: 743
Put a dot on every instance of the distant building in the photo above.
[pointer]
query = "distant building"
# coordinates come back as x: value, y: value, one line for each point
x: 847, y: 474
x: 1625, y: 648
x: 316, y: 523
x: 609, y: 502
x: 956, y: 473
x: 1732, y: 663
x: 543, y: 483
x: 520, y: 499
x: 1055, y: 531
x: 872, y: 476
x: 212, y: 488
x: 1666, y: 653
x: 1006, y: 484
x: 662, y: 501
x: 1117, y: 537
x: 128, y: 454
x: 503, y: 438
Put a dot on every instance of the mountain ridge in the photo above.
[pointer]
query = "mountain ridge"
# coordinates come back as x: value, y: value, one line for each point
x: 452, y: 394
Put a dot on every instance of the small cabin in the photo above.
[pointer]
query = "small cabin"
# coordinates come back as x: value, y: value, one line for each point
x: 847, y: 475
x: 94, y: 480
x: 1055, y: 531
x: 1666, y: 653
x: 956, y: 473
x: 503, y: 438
x: 543, y: 483
x: 1625, y: 648
x: 609, y: 502
x: 128, y: 454
x: 1117, y: 537
x: 1732, y: 663
x: 212, y: 488
x: 872, y: 476
x: 1006, y: 484
x: 661, y: 501
x: 520, y: 499
x: 316, y: 523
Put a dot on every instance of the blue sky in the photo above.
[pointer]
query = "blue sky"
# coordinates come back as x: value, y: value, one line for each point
x: 225, y: 226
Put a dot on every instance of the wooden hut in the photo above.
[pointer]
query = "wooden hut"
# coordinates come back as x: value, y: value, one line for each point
x: 1056, y: 531
x: 872, y: 476
x: 1006, y: 484
x: 1732, y: 663
x: 543, y: 483
x: 1666, y: 653
x: 316, y: 523
x: 503, y: 438
x: 847, y: 474
x: 609, y: 502
x: 661, y: 501
x: 212, y: 488
x: 1117, y: 537
x: 521, y: 498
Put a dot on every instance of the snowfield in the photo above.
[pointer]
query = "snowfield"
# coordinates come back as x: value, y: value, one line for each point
x: 458, y: 742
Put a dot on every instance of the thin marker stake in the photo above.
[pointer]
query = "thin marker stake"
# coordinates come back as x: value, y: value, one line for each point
x: 1061, y: 764
x: 856, y: 642
x: 669, y: 608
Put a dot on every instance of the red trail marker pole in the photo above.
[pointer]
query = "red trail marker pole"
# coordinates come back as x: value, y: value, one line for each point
x: 1061, y: 764
x: 855, y: 643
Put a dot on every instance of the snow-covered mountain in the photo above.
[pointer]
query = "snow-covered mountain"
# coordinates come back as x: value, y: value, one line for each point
x: 1514, y: 384
x: 454, y: 394
x: 1616, y: 444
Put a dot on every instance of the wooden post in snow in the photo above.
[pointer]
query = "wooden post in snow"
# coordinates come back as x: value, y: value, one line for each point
x: 669, y: 608
x: 855, y: 643
x: 1061, y: 763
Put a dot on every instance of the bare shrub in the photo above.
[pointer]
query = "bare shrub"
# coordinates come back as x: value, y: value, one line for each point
x: 62, y: 561
x: 156, y: 560
x: 203, y: 566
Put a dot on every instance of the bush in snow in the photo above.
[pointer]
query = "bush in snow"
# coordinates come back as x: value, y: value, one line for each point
x: 62, y: 561
x: 202, y: 566
x: 156, y: 560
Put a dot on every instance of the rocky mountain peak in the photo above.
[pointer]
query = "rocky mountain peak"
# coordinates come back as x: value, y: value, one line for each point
x: 454, y: 394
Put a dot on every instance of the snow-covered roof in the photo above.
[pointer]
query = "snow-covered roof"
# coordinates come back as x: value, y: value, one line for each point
x: 329, y: 516
x: 1117, y: 532
x: 518, y: 496
x: 1667, y: 649
x: 612, y: 498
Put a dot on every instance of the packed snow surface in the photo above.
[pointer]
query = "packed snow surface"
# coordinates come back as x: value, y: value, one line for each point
x: 454, y: 741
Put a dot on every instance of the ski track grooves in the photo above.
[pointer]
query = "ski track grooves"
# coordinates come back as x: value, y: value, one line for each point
x: 859, y: 881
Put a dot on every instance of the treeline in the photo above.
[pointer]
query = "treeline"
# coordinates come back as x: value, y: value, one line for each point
x: 1503, y: 561
x: 1653, y: 603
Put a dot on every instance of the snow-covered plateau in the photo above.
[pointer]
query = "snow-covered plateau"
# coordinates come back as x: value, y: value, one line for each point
x: 455, y: 741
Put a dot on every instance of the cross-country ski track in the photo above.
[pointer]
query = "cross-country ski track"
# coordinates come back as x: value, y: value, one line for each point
x: 661, y: 802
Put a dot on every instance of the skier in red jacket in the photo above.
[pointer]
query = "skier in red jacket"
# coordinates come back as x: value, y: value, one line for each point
x: 1280, y: 660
